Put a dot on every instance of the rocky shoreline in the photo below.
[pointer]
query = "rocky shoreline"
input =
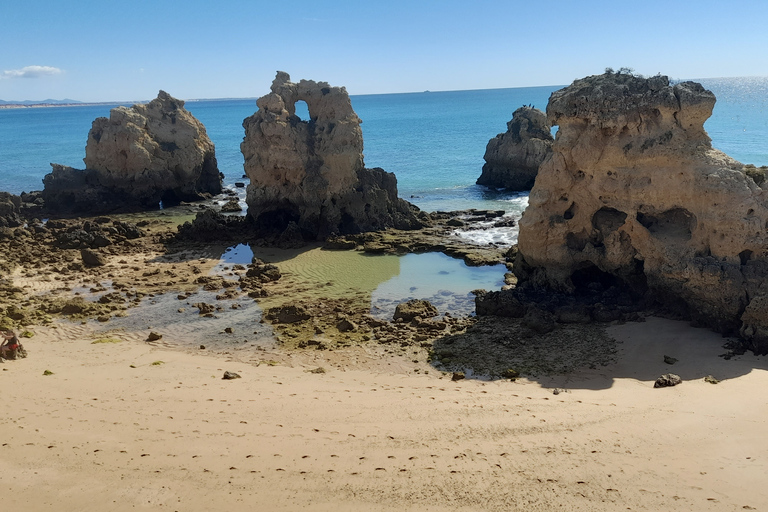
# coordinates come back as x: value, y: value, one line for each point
x: 584, y: 261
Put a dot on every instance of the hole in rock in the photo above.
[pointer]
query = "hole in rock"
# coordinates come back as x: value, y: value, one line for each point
x: 590, y: 278
x: 570, y: 212
x: 745, y: 256
x: 302, y: 110
x: 607, y: 220
x: 676, y: 223
x: 276, y: 220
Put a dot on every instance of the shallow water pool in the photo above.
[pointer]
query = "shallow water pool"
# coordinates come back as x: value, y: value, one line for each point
x: 444, y: 281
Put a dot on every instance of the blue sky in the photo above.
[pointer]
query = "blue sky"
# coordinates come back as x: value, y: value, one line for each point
x: 128, y: 50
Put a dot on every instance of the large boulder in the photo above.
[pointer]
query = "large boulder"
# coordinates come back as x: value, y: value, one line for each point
x: 311, y: 173
x: 635, y: 195
x: 136, y: 158
x: 512, y: 159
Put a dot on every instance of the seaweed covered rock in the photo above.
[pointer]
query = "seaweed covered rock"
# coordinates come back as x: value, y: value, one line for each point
x: 135, y: 159
x: 634, y: 196
x: 413, y: 308
x: 512, y: 159
x: 311, y: 173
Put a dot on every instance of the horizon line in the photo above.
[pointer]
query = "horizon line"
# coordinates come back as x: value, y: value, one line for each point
x: 26, y: 103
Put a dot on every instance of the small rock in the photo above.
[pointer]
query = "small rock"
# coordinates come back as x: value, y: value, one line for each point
x: 202, y: 347
x: 346, y: 325
x: 230, y: 376
x: 458, y: 376
x: 669, y: 360
x: 667, y: 380
x: 407, y: 311
x: 154, y: 336
x: 510, y: 374
x: 233, y: 205
x: 228, y: 330
x: 92, y: 258
x: 711, y: 380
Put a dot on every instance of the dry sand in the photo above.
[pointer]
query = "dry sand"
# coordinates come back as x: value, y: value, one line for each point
x: 108, y: 430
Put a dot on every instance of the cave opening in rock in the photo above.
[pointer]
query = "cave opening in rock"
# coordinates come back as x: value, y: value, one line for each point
x: 168, y: 199
x: 347, y: 224
x: 276, y: 221
x: 590, y: 279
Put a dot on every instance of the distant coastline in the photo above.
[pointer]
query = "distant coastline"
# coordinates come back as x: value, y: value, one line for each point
x: 50, y: 105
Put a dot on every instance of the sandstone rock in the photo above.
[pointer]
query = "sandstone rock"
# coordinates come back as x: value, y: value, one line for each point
x: 413, y: 308
x: 92, y: 258
x: 288, y: 314
x: 136, y: 158
x: 512, y: 159
x: 635, y: 197
x: 667, y: 380
x: 311, y: 172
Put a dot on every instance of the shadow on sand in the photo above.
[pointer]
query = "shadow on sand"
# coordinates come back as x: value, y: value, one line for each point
x: 593, y: 356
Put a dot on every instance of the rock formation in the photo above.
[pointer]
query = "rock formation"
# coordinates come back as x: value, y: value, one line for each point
x: 10, y: 206
x: 311, y: 173
x: 635, y: 196
x: 512, y: 159
x: 136, y: 158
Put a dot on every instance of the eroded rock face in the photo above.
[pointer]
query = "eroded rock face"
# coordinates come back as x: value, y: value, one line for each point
x: 10, y: 206
x: 512, y: 159
x: 634, y: 195
x: 136, y: 158
x: 311, y: 173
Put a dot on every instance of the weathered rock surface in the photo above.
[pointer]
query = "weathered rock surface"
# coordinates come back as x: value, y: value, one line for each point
x: 311, y: 173
x: 415, y: 308
x: 667, y: 380
x: 634, y: 197
x: 512, y: 159
x: 10, y: 206
x: 136, y: 158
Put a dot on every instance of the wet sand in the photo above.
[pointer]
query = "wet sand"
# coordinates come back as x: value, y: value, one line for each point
x: 111, y: 430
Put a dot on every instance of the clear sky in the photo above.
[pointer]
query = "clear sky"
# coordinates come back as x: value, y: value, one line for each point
x: 127, y: 50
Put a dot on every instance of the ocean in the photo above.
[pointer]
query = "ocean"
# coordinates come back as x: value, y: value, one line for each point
x: 433, y: 141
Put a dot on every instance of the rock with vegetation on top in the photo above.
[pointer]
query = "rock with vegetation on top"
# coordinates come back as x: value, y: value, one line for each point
x: 635, y: 197
x: 512, y: 159
x: 135, y: 159
x: 311, y: 172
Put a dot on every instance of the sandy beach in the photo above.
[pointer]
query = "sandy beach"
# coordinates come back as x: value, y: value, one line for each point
x: 110, y: 430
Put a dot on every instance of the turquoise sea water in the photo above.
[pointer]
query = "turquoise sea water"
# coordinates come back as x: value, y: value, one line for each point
x: 433, y: 141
